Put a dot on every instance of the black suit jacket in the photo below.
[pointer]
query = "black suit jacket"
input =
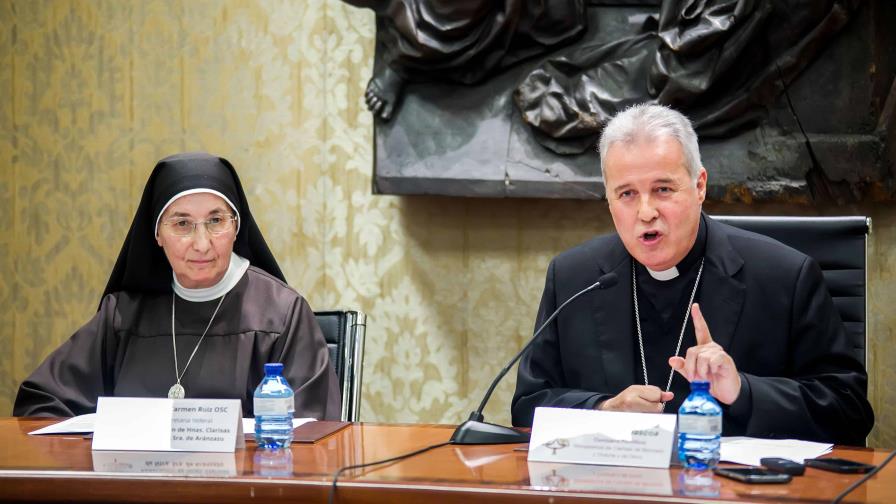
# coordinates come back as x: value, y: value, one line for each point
x: 765, y: 303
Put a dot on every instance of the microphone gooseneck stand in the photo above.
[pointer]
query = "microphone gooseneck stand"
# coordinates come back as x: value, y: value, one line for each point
x: 475, y: 430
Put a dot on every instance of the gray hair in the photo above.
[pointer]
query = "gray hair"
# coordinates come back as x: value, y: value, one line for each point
x: 651, y: 122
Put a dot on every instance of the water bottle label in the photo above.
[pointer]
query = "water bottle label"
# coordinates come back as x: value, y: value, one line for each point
x: 273, y: 405
x: 699, y: 424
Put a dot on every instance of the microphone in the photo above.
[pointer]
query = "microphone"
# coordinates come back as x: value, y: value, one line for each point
x: 475, y: 431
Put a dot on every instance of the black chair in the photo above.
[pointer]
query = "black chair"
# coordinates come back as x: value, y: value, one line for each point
x: 344, y: 332
x: 840, y: 246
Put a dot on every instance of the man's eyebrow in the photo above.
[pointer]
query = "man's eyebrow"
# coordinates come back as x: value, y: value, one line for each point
x: 628, y: 185
x: 618, y: 188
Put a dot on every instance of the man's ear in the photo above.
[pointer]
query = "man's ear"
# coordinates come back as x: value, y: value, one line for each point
x: 701, y: 184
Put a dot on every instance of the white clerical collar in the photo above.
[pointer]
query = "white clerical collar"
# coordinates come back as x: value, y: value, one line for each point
x: 235, y: 270
x: 665, y: 275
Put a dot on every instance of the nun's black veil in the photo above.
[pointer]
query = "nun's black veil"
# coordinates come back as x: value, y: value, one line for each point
x: 141, y: 265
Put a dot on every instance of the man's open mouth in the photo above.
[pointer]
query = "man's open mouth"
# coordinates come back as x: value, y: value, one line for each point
x: 650, y: 236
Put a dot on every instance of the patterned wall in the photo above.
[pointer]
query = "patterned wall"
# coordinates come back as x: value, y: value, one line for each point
x: 93, y: 93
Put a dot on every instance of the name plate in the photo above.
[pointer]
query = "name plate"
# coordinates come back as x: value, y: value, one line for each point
x: 602, y: 437
x: 150, y: 424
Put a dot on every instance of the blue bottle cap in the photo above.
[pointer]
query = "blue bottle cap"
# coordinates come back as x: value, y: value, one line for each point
x: 274, y: 368
x: 699, y: 385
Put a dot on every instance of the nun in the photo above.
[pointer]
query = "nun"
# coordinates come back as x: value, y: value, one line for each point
x: 194, y: 307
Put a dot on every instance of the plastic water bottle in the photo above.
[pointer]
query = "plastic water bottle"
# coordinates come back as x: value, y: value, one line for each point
x: 699, y: 428
x: 274, y: 406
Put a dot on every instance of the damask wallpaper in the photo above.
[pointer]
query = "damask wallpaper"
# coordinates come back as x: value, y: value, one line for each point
x: 92, y: 93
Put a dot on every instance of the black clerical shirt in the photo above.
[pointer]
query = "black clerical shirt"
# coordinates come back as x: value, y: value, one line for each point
x: 662, y: 306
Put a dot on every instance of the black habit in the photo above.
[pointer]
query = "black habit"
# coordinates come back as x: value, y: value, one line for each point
x: 126, y: 349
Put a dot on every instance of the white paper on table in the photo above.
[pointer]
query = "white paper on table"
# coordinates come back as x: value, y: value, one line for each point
x: 249, y: 424
x: 748, y: 451
x: 81, y: 424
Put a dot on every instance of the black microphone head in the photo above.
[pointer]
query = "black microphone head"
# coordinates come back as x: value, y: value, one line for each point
x: 608, y: 280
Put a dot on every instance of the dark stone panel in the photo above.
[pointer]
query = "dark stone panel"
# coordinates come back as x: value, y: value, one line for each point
x: 825, y: 137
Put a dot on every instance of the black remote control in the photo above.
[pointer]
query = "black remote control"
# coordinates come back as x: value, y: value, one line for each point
x: 783, y: 465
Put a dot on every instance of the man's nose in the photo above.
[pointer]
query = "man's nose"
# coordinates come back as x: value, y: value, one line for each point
x: 647, y: 210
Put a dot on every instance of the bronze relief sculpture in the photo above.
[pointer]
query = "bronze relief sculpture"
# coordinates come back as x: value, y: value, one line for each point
x: 488, y: 98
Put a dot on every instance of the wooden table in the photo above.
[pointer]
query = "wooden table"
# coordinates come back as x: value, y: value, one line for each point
x: 63, y: 468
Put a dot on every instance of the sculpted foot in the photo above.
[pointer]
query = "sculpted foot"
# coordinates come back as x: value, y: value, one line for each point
x: 383, y: 92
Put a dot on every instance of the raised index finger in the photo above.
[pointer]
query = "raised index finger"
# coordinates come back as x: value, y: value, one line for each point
x: 701, y: 330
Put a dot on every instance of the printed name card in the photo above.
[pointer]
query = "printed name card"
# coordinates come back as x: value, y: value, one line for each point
x: 149, y: 424
x: 601, y: 437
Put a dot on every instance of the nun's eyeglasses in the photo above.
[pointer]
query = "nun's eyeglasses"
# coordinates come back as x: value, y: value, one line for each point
x: 216, y: 225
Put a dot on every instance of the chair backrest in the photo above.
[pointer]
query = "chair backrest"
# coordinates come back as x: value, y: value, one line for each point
x: 840, y: 246
x: 344, y: 332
